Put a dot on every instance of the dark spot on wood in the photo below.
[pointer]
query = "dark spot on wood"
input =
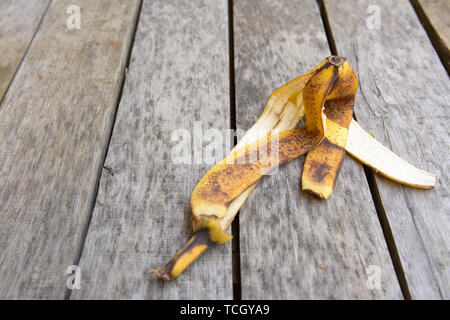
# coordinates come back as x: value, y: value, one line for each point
x: 114, y: 44
x: 322, y: 267
x: 109, y: 170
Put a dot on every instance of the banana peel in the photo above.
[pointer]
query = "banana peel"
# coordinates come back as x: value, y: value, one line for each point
x: 325, y: 96
x: 322, y: 164
x: 225, y: 183
x: 366, y: 149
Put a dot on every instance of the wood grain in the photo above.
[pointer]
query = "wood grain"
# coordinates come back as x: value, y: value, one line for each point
x: 55, y: 121
x: 292, y: 244
x: 178, y: 76
x: 403, y: 100
x: 435, y: 17
x: 19, y: 20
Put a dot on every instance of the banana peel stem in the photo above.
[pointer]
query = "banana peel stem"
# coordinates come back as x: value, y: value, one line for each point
x: 193, y: 249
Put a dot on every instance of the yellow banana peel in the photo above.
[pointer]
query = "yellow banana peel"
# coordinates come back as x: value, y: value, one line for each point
x: 325, y: 96
x: 322, y: 164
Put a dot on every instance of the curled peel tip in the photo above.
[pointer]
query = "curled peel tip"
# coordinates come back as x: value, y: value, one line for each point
x: 198, y: 243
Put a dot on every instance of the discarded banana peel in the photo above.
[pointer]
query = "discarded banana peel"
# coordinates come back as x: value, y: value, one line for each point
x: 235, y: 174
x: 322, y: 164
x: 325, y: 96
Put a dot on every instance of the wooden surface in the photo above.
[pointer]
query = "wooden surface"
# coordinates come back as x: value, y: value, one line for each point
x: 80, y: 184
x: 54, y: 124
x: 294, y: 246
x: 178, y: 76
x: 403, y: 100
x: 16, y: 33
x: 438, y: 11
x: 435, y: 16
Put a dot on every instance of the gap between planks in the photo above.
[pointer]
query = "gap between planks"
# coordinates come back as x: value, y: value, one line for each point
x: 382, y: 217
x: 235, y: 245
x: 441, y: 49
x: 152, y: 91
x: 25, y: 53
x: 85, y: 228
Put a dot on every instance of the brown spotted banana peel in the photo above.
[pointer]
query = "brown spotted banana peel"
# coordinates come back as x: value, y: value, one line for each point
x: 284, y: 110
x: 323, y: 163
x: 224, y: 188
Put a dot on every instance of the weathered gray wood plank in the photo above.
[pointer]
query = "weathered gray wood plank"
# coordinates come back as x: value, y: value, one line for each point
x: 435, y: 16
x: 292, y: 244
x: 54, y: 124
x: 403, y: 100
x: 19, y: 20
x: 178, y: 75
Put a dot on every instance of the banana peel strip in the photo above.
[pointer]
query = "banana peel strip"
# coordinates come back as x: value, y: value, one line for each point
x: 323, y: 163
x: 222, y: 191
x: 365, y: 148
